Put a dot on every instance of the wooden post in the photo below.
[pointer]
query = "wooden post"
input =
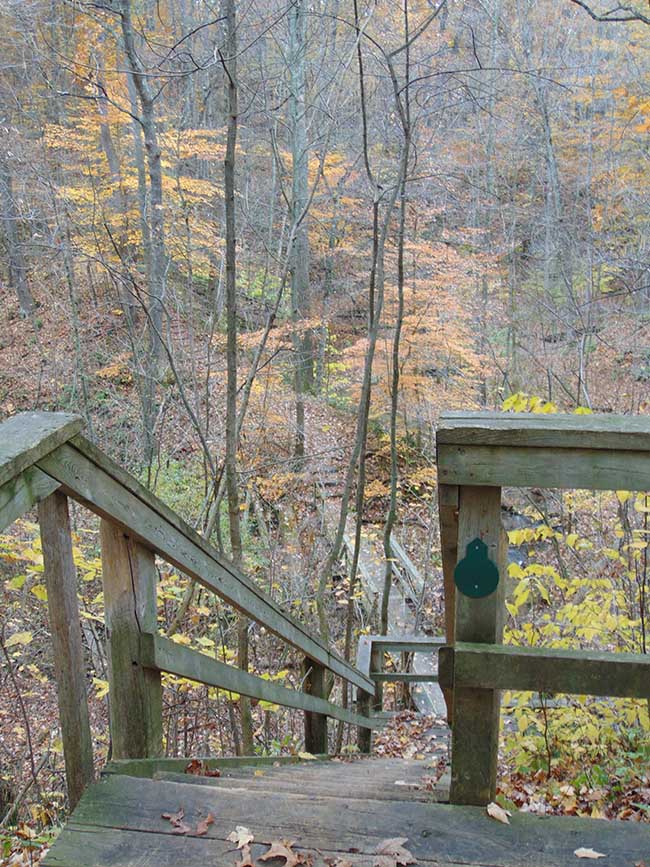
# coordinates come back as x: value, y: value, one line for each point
x: 69, y: 665
x: 448, y: 513
x: 365, y: 701
x: 315, y: 723
x: 129, y: 577
x: 475, y: 732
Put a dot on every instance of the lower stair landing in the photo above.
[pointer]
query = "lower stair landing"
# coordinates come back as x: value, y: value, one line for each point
x: 336, y: 814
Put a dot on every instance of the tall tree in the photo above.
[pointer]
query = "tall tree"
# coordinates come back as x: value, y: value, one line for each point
x: 229, y: 61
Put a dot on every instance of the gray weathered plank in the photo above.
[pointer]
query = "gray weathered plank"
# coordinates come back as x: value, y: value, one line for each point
x: 592, y: 469
x: 69, y: 664
x: 403, y: 677
x: 26, y: 437
x: 107, y: 495
x: 555, y: 430
x: 150, y: 767
x: 129, y: 578
x: 475, y: 731
x: 22, y: 493
x: 407, y: 644
x: 435, y: 832
x: 88, y: 846
x: 541, y: 669
x: 165, y: 655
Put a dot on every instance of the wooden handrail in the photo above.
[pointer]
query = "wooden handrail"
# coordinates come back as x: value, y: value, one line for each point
x: 477, y: 454
x: 44, y: 459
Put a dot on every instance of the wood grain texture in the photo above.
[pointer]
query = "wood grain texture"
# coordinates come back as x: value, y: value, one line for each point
x: 539, y: 669
x: 22, y: 493
x: 129, y: 579
x: 26, y: 437
x: 556, y: 430
x: 448, y: 501
x: 592, y: 469
x: 148, y: 768
x: 164, y: 655
x: 475, y: 731
x: 129, y: 810
x: 65, y: 628
x: 133, y: 512
x: 315, y: 723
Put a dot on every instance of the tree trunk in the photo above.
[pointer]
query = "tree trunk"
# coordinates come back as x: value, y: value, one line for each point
x: 302, y: 341
x: 17, y: 267
x: 230, y: 70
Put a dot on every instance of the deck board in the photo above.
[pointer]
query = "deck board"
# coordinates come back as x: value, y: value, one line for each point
x: 118, y: 822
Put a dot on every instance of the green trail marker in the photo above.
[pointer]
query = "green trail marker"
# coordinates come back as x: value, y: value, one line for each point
x: 476, y: 575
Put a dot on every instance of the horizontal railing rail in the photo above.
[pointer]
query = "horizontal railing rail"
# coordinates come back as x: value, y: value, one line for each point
x: 477, y: 454
x: 371, y: 656
x: 43, y: 461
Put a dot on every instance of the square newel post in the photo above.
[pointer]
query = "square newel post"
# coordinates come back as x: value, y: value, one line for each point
x: 369, y: 658
x: 315, y: 723
x: 65, y: 626
x: 475, y: 729
x: 129, y: 577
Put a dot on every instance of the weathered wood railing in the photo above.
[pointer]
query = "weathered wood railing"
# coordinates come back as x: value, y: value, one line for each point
x: 478, y: 453
x: 44, y: 460
x: 371, y: 653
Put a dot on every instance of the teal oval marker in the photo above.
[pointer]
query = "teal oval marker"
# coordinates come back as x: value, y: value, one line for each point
x: 476, y: 575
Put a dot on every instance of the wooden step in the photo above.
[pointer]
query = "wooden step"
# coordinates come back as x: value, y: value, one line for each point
x: 119, y: 822
x: 401, y: 788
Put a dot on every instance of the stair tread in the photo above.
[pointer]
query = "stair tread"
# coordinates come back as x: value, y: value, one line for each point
x: 119, y: 822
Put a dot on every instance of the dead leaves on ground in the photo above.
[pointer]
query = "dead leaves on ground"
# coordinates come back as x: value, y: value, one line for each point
x: 180, y: 827
x: 391, y: 853
x: 284, y: 849
x: 199, y: 768
x: 496, y: 812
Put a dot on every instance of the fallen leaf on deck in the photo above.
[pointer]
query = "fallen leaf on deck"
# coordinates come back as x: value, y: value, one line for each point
x: 588, y: 853
x: 204, y: 824
x: 498, y: 813
x: 241, y: 836
x: 246, y: 858
x: 258, y: 773
x: 308, y: 756
x: 176, y: 820
x: 283, y: 849
x: 200, y: 769
x: 391, y: 853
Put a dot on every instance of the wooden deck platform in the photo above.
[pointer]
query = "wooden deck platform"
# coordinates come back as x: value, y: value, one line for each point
x: 332, y: 810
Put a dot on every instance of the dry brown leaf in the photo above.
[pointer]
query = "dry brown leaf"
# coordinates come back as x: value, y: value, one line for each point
x: 200, y: 769
x: 241, y: 836
x: 247, y: 859
x: 204, y: 824
x: 391, y: 853
x: 498, y: 813
x: 583, y: 852
x: 283, y: 849
x: 175, y: 818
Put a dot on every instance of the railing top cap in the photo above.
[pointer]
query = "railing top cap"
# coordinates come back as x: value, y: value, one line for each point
x: 552, y: 430
x: 26, y: 437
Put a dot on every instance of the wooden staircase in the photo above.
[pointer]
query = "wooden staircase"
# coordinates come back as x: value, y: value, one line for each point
x: 338, y: 812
